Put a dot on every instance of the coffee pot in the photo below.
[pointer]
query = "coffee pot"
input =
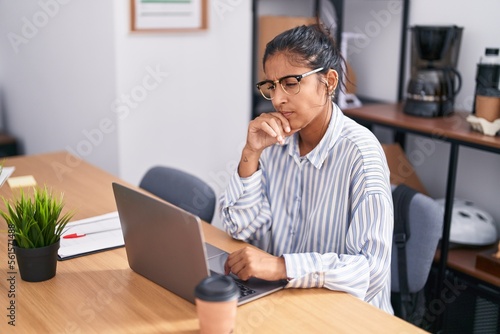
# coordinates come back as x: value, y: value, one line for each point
x: 434, y: 80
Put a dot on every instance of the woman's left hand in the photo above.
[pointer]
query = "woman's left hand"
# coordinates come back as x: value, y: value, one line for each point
x: 252, y: 262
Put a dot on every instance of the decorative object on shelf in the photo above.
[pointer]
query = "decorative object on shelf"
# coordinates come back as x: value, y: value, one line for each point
x: 434, y: 80
x: 35, y: 224
x: 470, y: 225
x: 167, y: 15
x: 484, y: 126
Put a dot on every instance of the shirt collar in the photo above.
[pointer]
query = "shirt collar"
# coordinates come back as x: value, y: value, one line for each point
x: 319, y: 154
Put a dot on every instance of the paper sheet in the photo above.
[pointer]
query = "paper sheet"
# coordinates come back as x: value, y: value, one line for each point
x: 100, y: 233
x: 22, y: 181
x: 6, y: 172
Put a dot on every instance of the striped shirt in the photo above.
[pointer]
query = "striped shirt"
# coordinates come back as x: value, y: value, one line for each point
x: 329, y: 213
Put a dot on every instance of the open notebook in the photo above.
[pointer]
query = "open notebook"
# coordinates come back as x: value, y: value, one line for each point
x: 87, y: 236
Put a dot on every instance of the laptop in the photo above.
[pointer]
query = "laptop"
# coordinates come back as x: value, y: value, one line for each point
x: 165, y: 244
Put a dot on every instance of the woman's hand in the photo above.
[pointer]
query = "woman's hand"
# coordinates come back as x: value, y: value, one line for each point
x: 266, y: 130
x: 253, y: 262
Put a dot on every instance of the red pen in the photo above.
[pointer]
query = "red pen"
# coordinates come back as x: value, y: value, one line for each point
x: 73, y: 236
x: 80, y: 235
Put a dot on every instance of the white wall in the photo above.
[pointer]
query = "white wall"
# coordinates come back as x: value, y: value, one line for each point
x: 58, y: 76
x: 196, y: 117
x: 77, y: 82
x: 374, y: 50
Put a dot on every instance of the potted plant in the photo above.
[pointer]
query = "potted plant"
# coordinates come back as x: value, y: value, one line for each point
x: 37, y: 224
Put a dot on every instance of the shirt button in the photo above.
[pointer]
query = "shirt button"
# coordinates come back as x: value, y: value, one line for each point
x: 315, y: 276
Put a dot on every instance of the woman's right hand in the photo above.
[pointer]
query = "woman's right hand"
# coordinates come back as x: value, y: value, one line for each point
x: 266, y: 130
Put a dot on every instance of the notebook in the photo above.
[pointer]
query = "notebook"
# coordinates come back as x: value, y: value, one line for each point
x: 165, y: 244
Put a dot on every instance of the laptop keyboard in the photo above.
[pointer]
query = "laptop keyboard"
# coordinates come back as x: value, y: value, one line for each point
x: 244, y: 290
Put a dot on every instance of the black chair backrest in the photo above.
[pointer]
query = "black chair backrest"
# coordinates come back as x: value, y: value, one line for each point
x: 181, y: 189
x: 425, y: 221
x: 418, y: 222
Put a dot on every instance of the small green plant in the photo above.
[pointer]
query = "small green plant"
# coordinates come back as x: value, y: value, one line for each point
x: 36, y: 221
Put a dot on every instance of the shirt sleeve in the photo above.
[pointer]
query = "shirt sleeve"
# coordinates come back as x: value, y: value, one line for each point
x: 245, y: 210
x: 365, y: 269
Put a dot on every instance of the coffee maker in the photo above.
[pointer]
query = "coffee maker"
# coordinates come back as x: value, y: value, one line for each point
x: 434, y: 80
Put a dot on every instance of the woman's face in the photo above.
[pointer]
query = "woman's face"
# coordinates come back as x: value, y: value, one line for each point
x: 312, y: 101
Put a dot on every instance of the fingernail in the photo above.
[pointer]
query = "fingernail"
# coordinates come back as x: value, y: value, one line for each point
x: 287, y: 129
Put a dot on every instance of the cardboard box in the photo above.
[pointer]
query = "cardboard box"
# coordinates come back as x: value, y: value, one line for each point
x: 270, y: 27
x: 401, y: 169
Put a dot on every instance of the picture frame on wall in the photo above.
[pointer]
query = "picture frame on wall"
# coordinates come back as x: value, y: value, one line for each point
x: 168, y: 15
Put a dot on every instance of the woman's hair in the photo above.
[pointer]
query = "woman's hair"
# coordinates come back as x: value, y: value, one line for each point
x: 309, y: 46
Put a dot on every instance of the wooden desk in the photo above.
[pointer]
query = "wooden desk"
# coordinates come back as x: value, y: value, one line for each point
x: 100, y: 293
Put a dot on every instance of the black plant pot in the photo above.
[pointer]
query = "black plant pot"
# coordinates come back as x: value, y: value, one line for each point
x: 37, y: 264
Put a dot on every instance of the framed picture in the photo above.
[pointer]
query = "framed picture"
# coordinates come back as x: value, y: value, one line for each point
x: 168, y: 15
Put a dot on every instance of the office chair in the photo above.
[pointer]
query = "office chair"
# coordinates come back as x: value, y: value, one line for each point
x: 418, y: 224
x: 181, y: 189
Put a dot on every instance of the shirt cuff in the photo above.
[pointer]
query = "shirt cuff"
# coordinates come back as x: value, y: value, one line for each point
x: 238, y: 186
x: 304, y: 270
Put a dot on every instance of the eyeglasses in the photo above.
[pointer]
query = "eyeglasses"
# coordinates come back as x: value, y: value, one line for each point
x: 289, y: 83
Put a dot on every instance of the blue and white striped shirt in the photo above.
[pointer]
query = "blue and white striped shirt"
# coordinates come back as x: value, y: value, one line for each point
x: 329, y: 213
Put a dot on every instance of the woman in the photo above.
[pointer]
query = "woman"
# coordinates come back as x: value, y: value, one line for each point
x: 312, y: 186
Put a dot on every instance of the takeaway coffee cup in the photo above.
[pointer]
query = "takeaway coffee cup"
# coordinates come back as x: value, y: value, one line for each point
x: 216, y: 300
